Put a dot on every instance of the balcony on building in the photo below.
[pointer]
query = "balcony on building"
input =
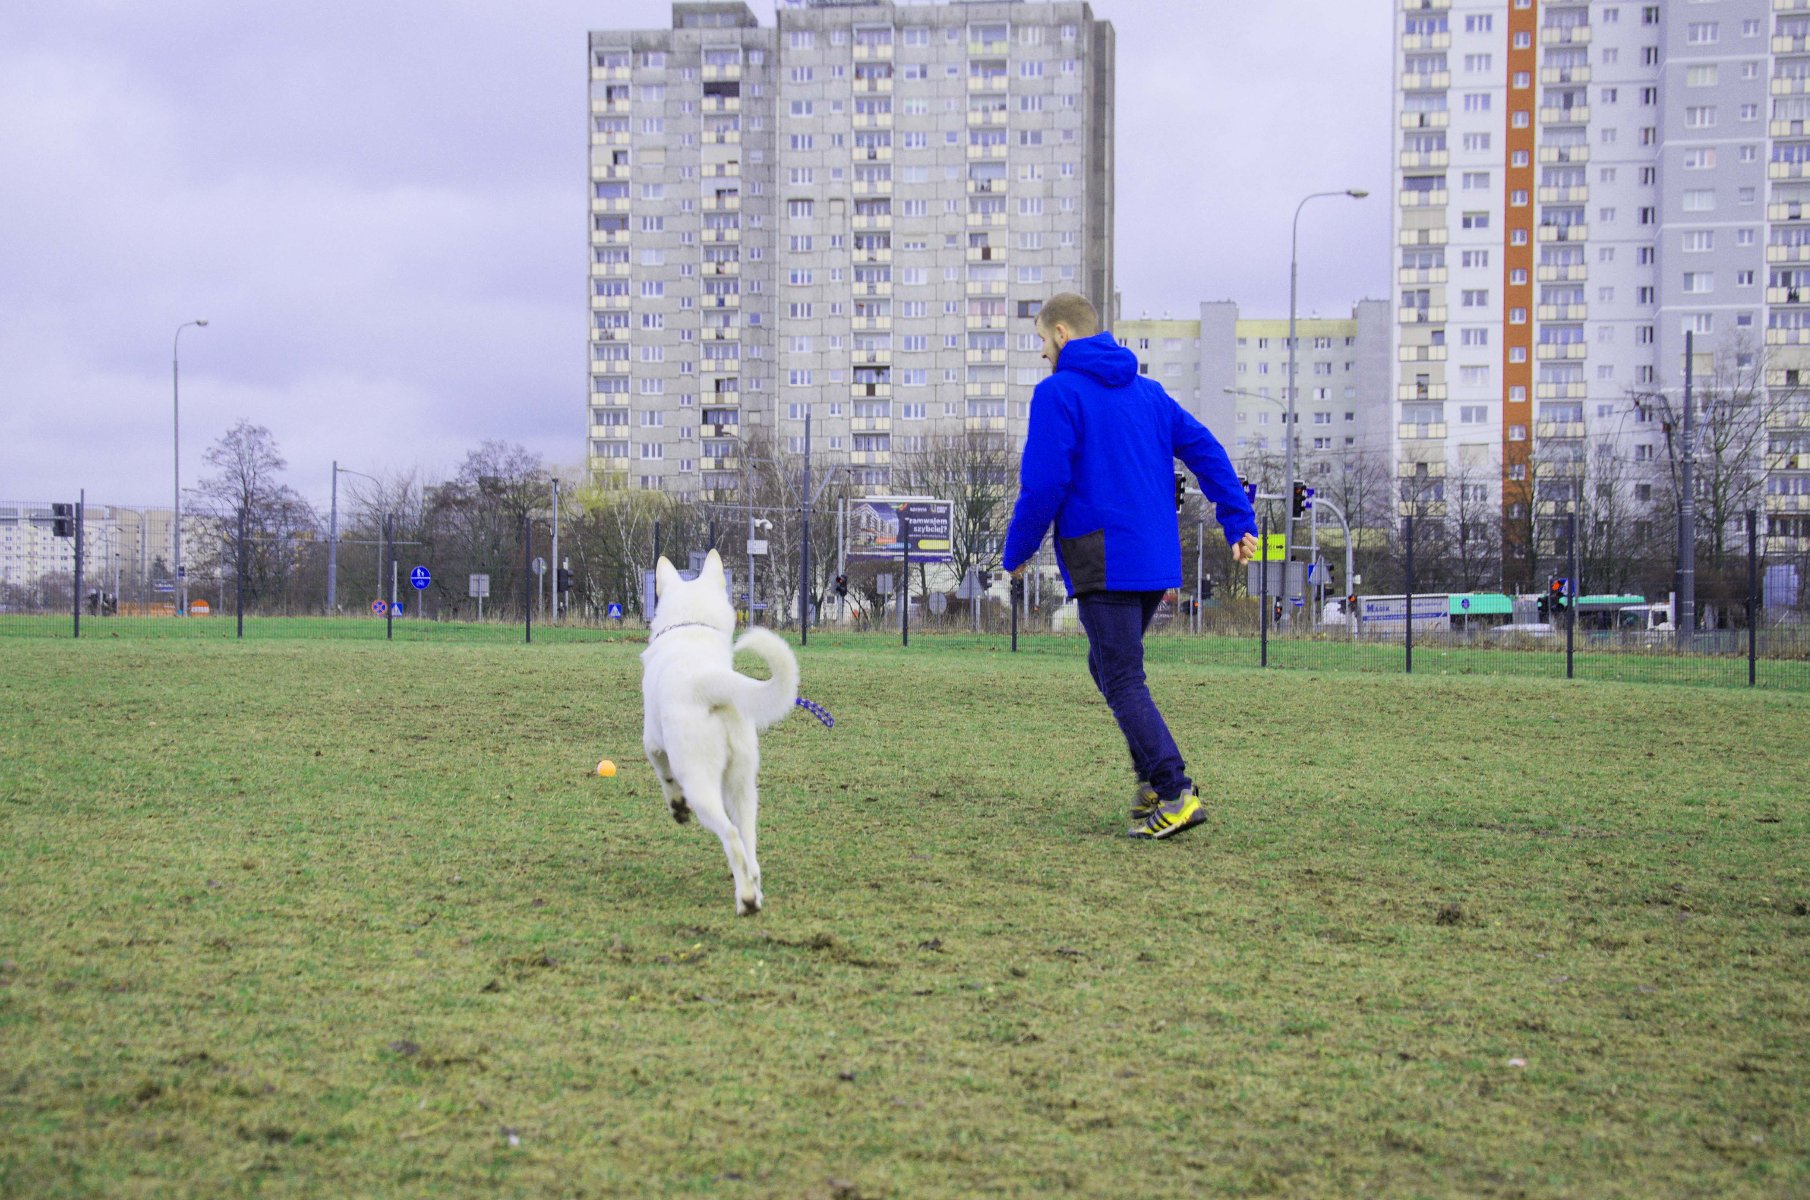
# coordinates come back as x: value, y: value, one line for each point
x: 1421, y: 391
x: 1429, y: 35
x: 1436, y: 118
x: 873, y: 43
x: 988, y: 75
x: 1413, y: 160
x: 1565, y: 27
x: 1565, y: 114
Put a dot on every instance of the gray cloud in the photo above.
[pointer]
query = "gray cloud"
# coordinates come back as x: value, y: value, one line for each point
x: 380, y: 209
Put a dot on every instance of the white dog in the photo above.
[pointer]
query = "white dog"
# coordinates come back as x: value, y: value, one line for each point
x: 700, y: 716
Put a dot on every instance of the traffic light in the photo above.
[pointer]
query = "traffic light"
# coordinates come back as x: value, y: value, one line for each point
x: 1250, y: 489
x: 842, y: 586
x: 62, y: 520
x: 1181, y: 490
x: 1351, y: 603
x: 562, y: 579
x: 1303, y: 498
x: 1206, y: 587
x: 1556, y: 591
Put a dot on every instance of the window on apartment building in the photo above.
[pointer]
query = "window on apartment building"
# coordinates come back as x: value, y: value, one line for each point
x: 1475, y: 180
x: 1702, y: 33
x: 1474, y: 220
x: 1476, y: 102
x: 1476, y: 141
x: 1478, y: 23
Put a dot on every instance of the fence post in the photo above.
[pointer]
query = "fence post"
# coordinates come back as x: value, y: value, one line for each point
x: 1577, y: 589
x: 389, y: 555
x: 81, y: 521
x: 239, y: 577
x: 1753, y: 607
x: 528, y: 580
x: 1407, y: 524
x: 901, y: 593
x: 1263, y: 587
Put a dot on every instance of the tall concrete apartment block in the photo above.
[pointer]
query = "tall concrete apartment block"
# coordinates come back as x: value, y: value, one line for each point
x: 1579, y: 184
x: 1228, y: 370
x: 856, y: 214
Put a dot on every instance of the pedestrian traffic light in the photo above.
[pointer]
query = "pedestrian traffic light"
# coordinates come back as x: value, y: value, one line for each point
x: 842, y: 585
x: 62, y: 520
x: 562, y: 579
x: 1556, y: 590
x: 1303, y: 498
x: 1181, y: 490
x: 1206, y: 587
x: 1278, y: 610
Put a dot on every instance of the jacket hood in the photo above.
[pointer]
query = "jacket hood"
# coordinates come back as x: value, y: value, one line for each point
x: 1099, y: 357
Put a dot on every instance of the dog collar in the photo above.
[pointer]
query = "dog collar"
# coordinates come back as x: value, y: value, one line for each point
x: 683, y: 625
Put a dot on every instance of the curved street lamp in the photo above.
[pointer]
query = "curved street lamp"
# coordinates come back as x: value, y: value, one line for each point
x: 182, y: 583
x: 333, y: 538
x: 1290, y: 385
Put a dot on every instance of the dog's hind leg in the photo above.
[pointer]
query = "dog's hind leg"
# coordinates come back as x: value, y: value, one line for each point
x: 669, y: 787
x: 704, y: 789
x: 742, y: 798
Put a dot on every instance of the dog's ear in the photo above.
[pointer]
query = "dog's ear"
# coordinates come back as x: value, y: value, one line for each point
x: 713, y: 568
x: 665, y: 576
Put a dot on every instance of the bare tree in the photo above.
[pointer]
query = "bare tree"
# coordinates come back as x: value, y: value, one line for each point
x: 977, y: 472
x: 474, y: 521
x: 278, y: 522
x: 1734, y: 410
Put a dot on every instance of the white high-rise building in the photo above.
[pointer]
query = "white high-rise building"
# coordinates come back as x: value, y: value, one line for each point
x: 1578, y: 185
x: 854, y: 214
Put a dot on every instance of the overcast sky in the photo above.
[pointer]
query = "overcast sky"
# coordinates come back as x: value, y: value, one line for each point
x: 380, y: 208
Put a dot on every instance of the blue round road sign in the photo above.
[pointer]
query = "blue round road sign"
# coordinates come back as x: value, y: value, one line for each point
x: 420, y: 578
x: 378, y: 607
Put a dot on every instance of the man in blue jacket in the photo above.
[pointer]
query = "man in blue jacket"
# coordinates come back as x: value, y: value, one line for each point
x: 1099, y: 461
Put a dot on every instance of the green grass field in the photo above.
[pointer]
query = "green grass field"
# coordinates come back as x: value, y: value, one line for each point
x: 342, y: 918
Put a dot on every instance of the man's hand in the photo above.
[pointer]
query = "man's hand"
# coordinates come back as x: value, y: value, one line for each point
x: 1018, y: 571
x: 1245, y: 549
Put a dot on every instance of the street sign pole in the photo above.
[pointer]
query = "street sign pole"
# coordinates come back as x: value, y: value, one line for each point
x: 389, y: 610
x: 903, y: 594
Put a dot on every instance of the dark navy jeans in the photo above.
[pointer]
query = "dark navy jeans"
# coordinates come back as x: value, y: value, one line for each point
x: 1115, y: 623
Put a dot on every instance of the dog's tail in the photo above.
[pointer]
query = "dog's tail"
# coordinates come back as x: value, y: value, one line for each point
x: 766, y: 701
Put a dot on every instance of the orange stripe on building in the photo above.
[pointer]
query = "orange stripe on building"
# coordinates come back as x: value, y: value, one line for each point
x: 1518, y: 266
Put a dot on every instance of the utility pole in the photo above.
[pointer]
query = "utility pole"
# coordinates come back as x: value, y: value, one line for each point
x: 1687, y: 513
x: 555, y: 557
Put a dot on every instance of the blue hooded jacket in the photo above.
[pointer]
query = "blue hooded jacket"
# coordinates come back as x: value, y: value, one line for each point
x: 1099, y: 460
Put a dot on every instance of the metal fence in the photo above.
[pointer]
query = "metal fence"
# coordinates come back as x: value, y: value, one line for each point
x: 61, y: 581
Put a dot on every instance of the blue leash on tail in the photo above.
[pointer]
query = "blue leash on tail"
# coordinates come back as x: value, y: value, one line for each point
x: 817, y: 710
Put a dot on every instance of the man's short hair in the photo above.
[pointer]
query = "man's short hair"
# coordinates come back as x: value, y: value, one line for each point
x: 1071, y: 310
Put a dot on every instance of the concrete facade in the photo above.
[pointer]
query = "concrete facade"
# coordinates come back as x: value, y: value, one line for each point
x: 855, y: 214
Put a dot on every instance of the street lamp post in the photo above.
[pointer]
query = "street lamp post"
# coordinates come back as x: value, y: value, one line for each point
x: 333, y: 537
x: 1290, y: 385
x: 182, y: 586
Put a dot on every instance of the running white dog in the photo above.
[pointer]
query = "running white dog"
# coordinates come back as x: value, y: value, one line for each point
x: 700, y: 716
